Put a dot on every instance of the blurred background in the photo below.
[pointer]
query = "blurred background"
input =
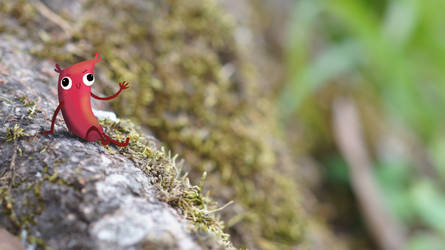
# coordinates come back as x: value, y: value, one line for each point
x: 374, y: 66
x: 321, y: 119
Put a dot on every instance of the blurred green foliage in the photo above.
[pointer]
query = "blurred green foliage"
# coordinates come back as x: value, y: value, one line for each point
x: 388, y: 55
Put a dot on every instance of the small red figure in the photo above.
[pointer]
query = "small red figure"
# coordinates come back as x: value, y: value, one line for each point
x: 74, y: 90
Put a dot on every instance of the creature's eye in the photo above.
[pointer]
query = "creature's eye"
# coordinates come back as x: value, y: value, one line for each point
x: 88, y: 79
x: 66, y: 83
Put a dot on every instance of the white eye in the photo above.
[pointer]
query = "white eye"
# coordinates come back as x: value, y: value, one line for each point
x: 66, y: 83
x: 88, y: 79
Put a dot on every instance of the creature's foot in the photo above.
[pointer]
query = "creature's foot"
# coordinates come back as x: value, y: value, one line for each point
x: 94, y: 134
x: 104, y: 142
x: 47, y: 132
x: 120, y: 144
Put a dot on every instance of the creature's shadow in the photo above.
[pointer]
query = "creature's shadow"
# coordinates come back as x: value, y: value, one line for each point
x: 64, y: 134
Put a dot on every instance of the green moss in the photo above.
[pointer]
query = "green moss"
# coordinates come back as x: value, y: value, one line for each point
x: 5, y: 99
x: 173, y: 188
x: 31, y: 105
x: 22, y: 99
x: 40, y: 243
x: 14, y: 133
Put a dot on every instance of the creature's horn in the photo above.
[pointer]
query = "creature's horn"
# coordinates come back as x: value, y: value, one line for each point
x: 58, y: 69
x: 97, y: 58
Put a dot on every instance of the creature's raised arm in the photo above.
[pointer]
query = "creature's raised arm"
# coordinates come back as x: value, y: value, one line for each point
x: 54, y: 119
x: 123, y: 85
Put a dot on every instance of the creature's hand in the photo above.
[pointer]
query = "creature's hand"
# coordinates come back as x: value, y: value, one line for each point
x: 124, y: 85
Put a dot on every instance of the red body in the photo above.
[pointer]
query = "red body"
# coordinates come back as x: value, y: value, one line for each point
x: 74, y: 90
x: 76, y: 109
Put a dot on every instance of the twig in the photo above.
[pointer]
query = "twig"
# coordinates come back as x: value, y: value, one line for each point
x: 53, y: 17
x: 12, y: 165
x: 389, y: 234
x: 220, y: 208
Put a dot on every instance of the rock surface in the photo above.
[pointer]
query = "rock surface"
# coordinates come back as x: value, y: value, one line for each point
x: 62, y: 192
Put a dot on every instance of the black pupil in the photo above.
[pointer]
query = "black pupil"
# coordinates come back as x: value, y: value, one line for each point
x: 65, y: 82
x: 90, y: 77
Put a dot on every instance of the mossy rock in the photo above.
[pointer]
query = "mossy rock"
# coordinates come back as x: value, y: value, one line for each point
x: 58, y: 191
x: 196, y: 92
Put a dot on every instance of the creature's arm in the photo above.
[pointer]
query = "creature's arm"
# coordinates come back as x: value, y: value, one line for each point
x: 54, y: 119
x: 123, y: 85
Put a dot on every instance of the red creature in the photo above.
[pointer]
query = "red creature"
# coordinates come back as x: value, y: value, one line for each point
x: 74, y: 88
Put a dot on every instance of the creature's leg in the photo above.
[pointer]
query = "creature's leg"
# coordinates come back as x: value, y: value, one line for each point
x: 102, y: 140
x: 54, y: 119
x: 120, y: 144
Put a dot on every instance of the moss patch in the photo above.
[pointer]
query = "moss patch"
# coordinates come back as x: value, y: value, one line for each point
x: 14, y: 133
x: 173, y: 187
